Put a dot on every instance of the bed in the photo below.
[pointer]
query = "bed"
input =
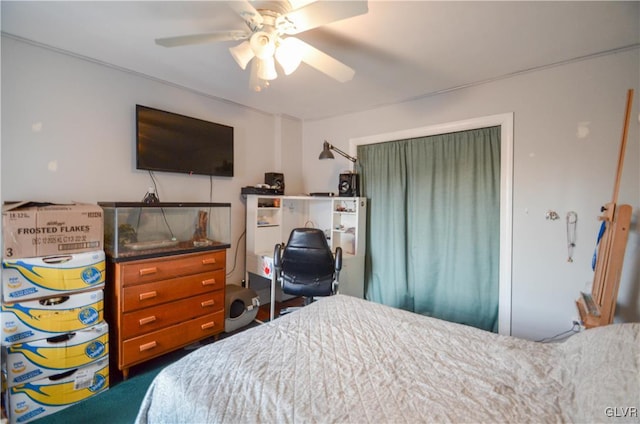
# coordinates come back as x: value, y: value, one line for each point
x: 348, y: 360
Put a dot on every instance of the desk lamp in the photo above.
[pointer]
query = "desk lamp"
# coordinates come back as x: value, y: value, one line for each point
x: 348, y: 183
x: 326, y: 152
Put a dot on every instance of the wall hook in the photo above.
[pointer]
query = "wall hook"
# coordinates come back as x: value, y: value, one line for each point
x: 552, y: 215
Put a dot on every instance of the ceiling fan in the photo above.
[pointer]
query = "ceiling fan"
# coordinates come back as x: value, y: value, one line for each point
x: 266, y: 40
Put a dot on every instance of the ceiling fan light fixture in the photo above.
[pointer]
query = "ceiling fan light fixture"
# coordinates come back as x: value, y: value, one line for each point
x: 242, y: 54
x: 266, y: 68
x: 262, y: 44
x: 256, y: 83
x: 268, y: 22
x: 289, y: 55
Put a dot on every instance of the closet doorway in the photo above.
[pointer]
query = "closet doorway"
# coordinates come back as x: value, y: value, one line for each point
x: 408, y: 276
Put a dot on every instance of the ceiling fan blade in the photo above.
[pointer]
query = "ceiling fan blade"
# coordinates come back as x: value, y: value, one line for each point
x: 247, y: 12
x: 323, y: 62
x: 320, y: 13
x: 211, y: 37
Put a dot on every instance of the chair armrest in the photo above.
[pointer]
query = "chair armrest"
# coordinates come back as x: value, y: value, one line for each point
x: 277, y: 257
x: 338, y: 258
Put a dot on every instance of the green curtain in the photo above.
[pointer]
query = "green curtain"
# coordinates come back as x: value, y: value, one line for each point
x: 434, y: 224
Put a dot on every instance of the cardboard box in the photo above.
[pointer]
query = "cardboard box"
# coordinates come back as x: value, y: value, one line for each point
x: 25, y: 362
x: 54, y: 316
x: 33, y: 278
x: 36, y: 229
x: 29, y: 401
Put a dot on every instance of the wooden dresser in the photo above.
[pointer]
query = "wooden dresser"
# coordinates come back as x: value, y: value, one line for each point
x: 164, y: 303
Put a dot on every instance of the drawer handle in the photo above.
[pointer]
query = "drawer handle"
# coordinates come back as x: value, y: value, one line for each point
x: 208, y: 282
x: 148, y: 271
x: 208, y: 261
x: 148, y: 346
x: 208, y: 325
x: 148, y: 295
x: 147, y: 320
x: 206, y: 303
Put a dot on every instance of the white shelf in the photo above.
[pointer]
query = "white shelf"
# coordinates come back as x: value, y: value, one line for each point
x: 309, y: 211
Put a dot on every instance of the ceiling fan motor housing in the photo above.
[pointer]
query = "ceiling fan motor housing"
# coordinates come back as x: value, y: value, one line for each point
x: 275, y: 7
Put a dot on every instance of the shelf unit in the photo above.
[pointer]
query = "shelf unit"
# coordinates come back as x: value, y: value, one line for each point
x: 345, y: 225
x: 270, y: 220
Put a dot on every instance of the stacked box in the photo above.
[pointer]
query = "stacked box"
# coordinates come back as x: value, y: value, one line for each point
x: 49, y: 317
x: 53, y: 336
x: 33, y: 278
x: 28, y: 327
x: 25, y: 362
x: 32, y: 229
x: 37, y: 399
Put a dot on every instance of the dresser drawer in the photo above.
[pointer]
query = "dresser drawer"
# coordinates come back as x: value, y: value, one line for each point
x: 151, y: 294
x: 167, y: 339
x: 150, y: 319
x: 139, y: 272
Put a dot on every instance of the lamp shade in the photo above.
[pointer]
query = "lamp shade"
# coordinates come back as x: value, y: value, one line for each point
x: 256, y: 83
x: 267, y: 69
x: 262, y: 44
x: 242, y: 54
x: 289, y: 54
x: 326, y: 151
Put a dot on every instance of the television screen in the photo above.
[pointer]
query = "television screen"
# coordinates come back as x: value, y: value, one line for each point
x: 170, y: 142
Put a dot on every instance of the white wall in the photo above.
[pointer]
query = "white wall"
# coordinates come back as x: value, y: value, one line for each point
x: 555, y: 168
x: 68, y: 133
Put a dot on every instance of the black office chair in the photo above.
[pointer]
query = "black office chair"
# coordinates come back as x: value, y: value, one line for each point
x: 306, y: 267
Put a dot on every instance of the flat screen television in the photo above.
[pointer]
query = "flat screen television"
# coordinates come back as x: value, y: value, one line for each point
x: 170, y: 142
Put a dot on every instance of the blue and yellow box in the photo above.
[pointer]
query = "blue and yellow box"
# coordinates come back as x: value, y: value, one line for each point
x: 25, y: 362
x: 37, y: 399
x: 33, y: 278
x: 43, y: 318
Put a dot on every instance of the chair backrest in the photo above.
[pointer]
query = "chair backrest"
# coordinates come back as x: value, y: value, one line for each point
x: 308, y: 266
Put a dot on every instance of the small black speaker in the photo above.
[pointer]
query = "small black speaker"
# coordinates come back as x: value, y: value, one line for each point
x: 348, y: 185
x: 275, y: 180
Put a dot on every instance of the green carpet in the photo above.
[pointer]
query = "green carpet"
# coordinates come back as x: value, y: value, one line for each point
x: 120, y: 403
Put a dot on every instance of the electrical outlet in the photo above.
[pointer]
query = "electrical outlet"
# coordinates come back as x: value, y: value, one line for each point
x: 577, y: 324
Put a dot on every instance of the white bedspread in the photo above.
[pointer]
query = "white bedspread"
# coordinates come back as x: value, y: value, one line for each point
x: 347, y: 360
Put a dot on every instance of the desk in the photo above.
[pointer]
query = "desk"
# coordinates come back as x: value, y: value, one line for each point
x: 261, y: 265
x: 350, y: 282
x: 270, y: 220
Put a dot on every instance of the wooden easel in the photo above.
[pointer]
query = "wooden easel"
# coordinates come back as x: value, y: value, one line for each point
x: 598, y: 307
